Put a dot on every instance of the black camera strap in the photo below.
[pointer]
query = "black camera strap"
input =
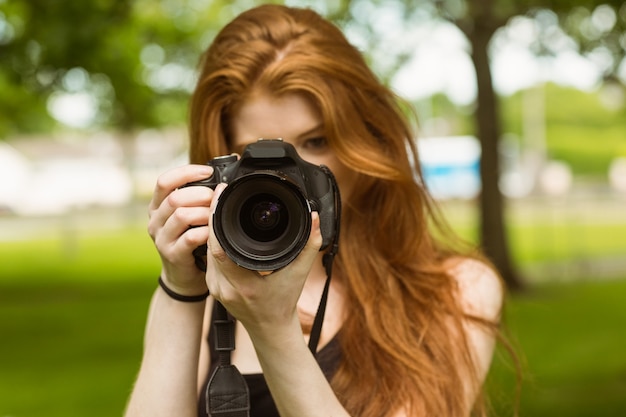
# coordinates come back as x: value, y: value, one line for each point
x: 227, y: 392
x: 327, y: 261
x: 316, y: 330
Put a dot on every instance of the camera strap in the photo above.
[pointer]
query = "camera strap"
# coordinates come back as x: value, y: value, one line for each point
x: 227, y: 392
x: 316, y: 330
x: 327, y: 261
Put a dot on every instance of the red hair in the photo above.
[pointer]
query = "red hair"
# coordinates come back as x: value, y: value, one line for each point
x: 404, y: 322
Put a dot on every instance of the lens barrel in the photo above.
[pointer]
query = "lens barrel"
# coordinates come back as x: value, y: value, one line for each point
x: 262, y: 220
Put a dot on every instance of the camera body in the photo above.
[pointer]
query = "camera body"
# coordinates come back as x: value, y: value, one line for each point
x: 263, y: 218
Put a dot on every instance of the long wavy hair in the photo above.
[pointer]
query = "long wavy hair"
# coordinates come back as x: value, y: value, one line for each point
x: 404, y: 323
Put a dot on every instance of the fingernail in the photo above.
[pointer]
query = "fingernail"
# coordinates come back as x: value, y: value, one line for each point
x: 206, y: 170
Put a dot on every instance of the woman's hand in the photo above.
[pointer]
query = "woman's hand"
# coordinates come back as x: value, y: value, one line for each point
x: 263, y: 303
x: 178, y: 224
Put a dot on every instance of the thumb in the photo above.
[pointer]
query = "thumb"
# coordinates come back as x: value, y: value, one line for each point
x: 305, y: 259
x: 214, y: 247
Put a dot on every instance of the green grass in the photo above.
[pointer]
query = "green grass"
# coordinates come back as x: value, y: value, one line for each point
x: 565, y: 231
x: 72, y: 323
x: 571, y: 340
x: 73, y: 312
x: 69, y: 350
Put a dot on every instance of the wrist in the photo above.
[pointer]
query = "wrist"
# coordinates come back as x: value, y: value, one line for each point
x: 274, y: 335
x: 187, y: 296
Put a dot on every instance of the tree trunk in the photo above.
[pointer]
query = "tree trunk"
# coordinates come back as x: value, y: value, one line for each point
x: 493, y: 236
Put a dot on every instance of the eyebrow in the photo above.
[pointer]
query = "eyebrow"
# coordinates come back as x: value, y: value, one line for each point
x: 314, y: 129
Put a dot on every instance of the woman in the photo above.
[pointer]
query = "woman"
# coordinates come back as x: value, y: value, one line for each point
x: 410, y: 325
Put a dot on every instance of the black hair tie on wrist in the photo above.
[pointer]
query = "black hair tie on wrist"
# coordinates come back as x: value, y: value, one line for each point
x: 180, y: 297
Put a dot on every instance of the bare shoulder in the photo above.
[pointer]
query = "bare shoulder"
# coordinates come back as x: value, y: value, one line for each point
x: 481, y: 295
x: 480, y: 288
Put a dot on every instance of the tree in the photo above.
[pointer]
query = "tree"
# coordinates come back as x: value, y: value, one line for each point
x: 479, y: 20
x: 133, y: 61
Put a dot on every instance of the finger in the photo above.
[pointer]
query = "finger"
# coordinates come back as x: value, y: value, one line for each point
x: 304, y: 261
x: 175, y: 178
x: 190, y: 240
x: 181, y: 251
x: 218, y: 262
x: 219, y: 189
x: 182, y: 220
x: 177, y: 200
x: 215, y: 249
x: 189, y: 197
x: 222, y: 261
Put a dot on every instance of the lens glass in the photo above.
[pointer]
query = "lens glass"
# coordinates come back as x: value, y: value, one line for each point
x: 264, y: 217
x: 262, y: 221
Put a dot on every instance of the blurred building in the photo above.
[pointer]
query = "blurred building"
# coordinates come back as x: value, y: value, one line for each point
x: 450, y: 166
x: 48, y: 176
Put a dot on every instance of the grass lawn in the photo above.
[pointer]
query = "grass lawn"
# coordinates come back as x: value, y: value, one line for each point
x: 72, y: 323
x: 571, y: 341
x: 72, y: 317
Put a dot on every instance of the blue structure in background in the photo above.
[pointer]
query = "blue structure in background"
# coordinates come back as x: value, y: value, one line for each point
x: 450, y: 166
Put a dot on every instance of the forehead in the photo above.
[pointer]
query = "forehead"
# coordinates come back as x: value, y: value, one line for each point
x: 265, y: 116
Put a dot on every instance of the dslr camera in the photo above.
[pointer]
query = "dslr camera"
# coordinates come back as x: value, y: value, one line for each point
x: 263, y: 218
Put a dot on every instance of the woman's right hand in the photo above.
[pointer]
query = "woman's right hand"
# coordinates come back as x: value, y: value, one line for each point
x: 178, y: 224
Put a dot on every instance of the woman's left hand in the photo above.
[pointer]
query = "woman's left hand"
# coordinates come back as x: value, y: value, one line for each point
x: 263, y: 303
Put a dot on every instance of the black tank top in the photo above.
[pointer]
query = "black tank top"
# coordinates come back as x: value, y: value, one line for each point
x: 261, y: 401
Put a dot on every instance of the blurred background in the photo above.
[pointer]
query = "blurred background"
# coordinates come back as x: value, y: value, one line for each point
x: 522, y: 140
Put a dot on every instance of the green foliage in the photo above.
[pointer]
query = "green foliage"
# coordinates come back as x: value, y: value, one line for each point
x: 42, y: 42
x: 584, y: 132
x: 21, y: 110
x: 580, y: 129
x: 136, y: 59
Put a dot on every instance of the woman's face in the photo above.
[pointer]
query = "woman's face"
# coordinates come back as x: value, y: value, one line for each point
x: 297, y: 121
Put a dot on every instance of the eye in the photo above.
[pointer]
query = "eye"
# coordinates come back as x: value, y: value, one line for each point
x: 316, y: 143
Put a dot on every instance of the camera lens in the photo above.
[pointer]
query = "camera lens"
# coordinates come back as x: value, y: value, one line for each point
x: 264, y: 217
x: 262, y: 220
